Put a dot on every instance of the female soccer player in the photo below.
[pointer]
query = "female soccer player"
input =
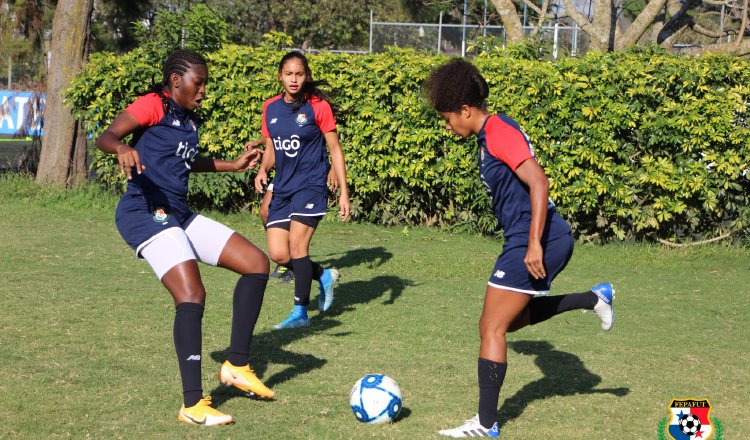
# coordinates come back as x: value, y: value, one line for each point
x: 538, y: 242
x: 297, y: 125
x: 154, y: 219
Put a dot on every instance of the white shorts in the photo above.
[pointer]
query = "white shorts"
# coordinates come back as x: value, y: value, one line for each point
x: 202, y: 240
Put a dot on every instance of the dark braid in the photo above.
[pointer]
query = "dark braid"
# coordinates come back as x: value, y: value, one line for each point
x: 311, y: 87
x: 179, y: 62
x: 454, y: 84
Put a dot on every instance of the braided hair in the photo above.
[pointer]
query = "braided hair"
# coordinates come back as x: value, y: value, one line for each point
x: 179, y: 62
x: 311, y: 87
x: 454, y: 84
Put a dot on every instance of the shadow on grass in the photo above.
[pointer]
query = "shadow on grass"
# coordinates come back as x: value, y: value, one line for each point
x: 370, y: 257
x: 564, y: 375
x: 268, y: 347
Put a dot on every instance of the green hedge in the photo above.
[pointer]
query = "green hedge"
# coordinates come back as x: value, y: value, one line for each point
x: 636, y: 144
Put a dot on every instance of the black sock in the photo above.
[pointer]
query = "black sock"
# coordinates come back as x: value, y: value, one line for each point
x: 187, y: 344
x: 542, y: 308
x: 302, y: 280
x: 248, y: 299
x: 317, y: 271
x: 491, y: 376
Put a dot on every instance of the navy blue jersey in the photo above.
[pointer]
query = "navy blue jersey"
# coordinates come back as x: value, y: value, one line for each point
x: 299, y: 146
x: 167, y: 144
x: 503, y: 147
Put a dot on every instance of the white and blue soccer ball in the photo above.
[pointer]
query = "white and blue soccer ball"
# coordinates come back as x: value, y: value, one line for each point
x: 376, y: 398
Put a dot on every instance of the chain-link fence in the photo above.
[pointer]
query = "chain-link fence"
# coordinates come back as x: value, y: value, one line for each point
x: 454, y: 38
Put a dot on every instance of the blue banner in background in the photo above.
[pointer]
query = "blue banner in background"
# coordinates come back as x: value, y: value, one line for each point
x: 21, y: 113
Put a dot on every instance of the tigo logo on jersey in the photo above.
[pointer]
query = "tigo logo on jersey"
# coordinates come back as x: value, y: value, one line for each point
x: 160, y: 216
x: 688, y: 419
x: 287, y: 145
x: 301, y: 119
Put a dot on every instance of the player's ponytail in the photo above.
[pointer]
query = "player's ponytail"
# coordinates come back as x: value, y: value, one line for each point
x: 455, y: 84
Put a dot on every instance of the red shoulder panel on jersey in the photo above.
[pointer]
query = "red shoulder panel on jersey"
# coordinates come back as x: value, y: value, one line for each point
x: 263, y: 126
x: 147, y: 109
x: 323, y: 114
x: 506, y: 142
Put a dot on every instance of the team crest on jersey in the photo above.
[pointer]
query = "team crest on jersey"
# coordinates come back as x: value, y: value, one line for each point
x: 689, y: 419
x: 301, y: 119
x: 160, y: 216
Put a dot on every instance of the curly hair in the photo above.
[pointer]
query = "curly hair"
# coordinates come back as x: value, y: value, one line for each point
x: 454, y: 84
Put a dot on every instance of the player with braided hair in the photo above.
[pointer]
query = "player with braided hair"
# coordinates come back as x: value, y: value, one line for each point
x: 154, y: 219
x: 538, y: 242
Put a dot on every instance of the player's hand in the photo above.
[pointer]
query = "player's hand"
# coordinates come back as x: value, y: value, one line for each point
x: 128, y: 158
x: 345, y: 207
x: 333, y: 184
x: 248, y: 159
x: 254, y: 144
x: 534, y: 260
x: 261, y: 180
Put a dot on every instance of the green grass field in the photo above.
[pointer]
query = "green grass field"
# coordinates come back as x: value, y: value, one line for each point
x: 86, y: 335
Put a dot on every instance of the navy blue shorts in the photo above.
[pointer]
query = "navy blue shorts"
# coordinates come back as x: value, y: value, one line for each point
x: 138, y: 217
x: 304, y: 204
x: 510, y: 272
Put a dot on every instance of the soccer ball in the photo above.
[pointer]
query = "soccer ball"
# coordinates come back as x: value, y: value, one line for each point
x: 690, y: 424
x: 376, y: 398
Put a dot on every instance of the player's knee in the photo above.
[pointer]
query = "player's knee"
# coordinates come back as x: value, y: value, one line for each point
x: 279, y: 256
x: 492, y: 330
x: 192, y: 295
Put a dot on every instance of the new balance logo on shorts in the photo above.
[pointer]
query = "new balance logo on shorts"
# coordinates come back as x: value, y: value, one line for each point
x: 310, y: 206
x: 499, y: 274
x: 194, y: 357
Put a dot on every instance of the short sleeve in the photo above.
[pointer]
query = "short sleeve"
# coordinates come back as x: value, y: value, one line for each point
x: 263, y: 126
x: 324, y: 118
x: 148, y: 110
x: 507, y: 143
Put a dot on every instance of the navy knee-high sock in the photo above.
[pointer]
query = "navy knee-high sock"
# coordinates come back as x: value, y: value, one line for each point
x: 303, y: 272
x: 187, y: 343
x: 491, y: 376
x: 317, y: 269
x: 246, y: 304
x: 542, y: 308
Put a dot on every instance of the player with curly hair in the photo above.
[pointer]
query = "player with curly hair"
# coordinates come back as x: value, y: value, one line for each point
x: 538, y: 242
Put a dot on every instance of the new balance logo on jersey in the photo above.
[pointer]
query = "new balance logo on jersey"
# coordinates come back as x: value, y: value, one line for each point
x: 499, y: 274
x: 310, y: 206
x: 273, y: 121
x: 194, y: 357
x: 176, y: 123
x: 289, y: 146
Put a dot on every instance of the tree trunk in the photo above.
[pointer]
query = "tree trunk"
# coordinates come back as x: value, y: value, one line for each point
x: 60, y: 161
x: 511, y: 21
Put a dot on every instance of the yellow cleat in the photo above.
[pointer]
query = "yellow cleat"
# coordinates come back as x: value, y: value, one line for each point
x: 203, y: 414
x: 245, y: 379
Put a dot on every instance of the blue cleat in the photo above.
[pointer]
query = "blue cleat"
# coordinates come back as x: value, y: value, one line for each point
x: 294, y: 320
x: 603, y: 307
x: 327, y: 282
